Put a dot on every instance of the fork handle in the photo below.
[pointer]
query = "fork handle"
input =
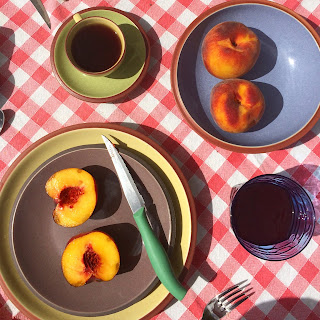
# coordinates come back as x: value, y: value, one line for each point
x: 208, y: 313
x: 158, y: 256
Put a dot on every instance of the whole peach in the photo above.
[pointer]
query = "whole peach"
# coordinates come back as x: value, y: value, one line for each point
x: 236, y: 105
x: 230, y: 49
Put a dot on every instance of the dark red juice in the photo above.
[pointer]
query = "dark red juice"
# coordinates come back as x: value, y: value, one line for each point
x: 262, y: 213
x: 96, y: 48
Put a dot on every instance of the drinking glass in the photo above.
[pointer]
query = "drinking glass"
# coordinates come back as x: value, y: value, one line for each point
x: 302, y: 223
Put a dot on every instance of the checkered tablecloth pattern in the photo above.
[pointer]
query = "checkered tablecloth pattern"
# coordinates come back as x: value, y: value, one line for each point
x: 35, y: 104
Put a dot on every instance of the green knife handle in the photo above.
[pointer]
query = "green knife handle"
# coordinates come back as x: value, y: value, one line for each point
x: 158, y: 256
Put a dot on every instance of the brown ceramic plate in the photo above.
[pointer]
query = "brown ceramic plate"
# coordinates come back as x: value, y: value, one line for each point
x: 38, y: 242
x: 286, y: 72
x: 31, y: 251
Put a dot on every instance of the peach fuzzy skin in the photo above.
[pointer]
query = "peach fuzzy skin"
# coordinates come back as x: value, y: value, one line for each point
x: 236, y: 105
x: 91, y: 255
x: 230, y: 49
x: 74, y: 191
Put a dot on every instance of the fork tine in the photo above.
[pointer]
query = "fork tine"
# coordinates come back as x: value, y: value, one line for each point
x: 227, y: 302
x: 237, y: 303
x: 233, y: 293
x: 222, y: 299
x: 230, y: 289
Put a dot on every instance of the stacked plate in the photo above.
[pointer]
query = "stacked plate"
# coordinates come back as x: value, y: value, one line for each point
x: 32, y: 243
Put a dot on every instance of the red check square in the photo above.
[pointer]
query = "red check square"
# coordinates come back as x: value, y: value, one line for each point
x: 41, y: 35
x: 40, y: 117
x: 19, y: 141
x: 236, y: 159
x: 166, y: 20
x: 216, y: 183
x: 61, y: 94
x: 20, y: 18
x: 84, y: 111
x: 19, y: 57
x: 186, y: 3
x: 40, y: 75
x: 19, y: 98
x: 287, y: 300
x: 264, y: 276
x: 309, y: 271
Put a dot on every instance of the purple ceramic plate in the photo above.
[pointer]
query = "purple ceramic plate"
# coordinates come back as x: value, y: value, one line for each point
x: 287, y: 72
x: 38, y: 242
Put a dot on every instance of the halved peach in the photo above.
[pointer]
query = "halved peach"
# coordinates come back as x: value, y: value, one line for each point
x: 74, y: 191
x: 90, y: 255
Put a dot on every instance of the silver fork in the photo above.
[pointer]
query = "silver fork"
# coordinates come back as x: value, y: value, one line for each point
x: 226, y: 301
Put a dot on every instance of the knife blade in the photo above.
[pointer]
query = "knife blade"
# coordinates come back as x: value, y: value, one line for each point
x: 156, y: 253
x: 43, y: 12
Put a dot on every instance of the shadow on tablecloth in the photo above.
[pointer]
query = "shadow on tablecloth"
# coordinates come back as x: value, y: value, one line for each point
x: 155, y: 60
x: 7, y: 82
x: 313, y: 25
x: 285, y: 308
x: 308, y: 176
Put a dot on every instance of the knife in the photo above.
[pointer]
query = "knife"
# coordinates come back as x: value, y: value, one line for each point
x: 43, y: 12
x: 156, y: 253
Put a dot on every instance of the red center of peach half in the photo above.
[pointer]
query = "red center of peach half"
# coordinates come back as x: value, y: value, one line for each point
x: 74, y: 191
x: 70, y: 196
x: 93, y: 255
x: 236, y: 105
x: 91, y: 260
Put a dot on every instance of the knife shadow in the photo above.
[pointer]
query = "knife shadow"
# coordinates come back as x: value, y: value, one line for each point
x: 129, y: 243
x: 150, y: 208
x: 108, y: 190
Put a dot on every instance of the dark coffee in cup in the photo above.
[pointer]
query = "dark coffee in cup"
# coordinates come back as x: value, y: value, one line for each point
x: 96, y: 47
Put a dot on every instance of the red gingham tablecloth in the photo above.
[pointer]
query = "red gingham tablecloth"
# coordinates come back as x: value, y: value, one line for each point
x: 35, y: 105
